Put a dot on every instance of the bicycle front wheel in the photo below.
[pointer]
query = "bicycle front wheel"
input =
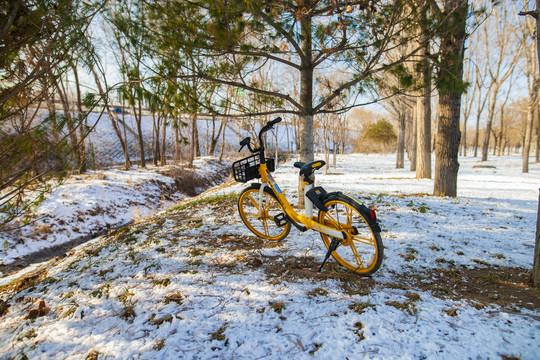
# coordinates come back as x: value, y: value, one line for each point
x: 262, y: 223
x: 362, y: 250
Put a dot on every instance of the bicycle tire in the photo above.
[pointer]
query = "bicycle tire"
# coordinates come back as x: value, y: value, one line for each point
x: 265, y: 227
x: 362, y: 251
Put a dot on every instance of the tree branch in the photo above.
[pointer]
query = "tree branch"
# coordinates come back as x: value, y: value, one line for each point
x: 532, y: 13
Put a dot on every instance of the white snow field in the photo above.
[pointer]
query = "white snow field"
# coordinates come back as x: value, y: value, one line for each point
x: 194, y: 283
x: 98, y: 201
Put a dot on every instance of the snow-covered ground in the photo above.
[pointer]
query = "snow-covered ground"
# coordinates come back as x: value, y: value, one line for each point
x: 193, y: 283
x: 95, y: 202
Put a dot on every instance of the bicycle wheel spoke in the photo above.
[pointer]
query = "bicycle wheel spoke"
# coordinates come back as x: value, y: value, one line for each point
x: 252, y: 216
x: 333, y: 221
x: 356, y: 255
x: 256, y: 204
x: 362, y: 240
x: 265, y: 226
x: 268, y: 203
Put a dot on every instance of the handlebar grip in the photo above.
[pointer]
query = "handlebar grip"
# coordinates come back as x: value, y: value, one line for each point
x: 245, y: 141
x: 275, y: 121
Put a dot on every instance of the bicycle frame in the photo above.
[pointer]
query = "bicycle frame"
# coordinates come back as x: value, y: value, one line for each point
x: 307, y: 219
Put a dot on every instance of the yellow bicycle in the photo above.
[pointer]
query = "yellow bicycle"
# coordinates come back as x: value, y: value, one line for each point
x: 349, y: 230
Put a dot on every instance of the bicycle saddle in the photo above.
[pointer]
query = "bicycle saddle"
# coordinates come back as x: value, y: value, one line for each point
x: 306, y: 168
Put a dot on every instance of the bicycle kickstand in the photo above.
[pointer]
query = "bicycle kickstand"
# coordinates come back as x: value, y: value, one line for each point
x: 333, y: 246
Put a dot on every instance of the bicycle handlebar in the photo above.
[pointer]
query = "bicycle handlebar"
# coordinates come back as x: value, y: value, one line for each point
x: 247, y: 141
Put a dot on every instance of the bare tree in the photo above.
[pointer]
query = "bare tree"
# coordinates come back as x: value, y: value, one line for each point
x: 536, y: 267
x: 501, y: 60
x: 472, y: 95
x: 528, y: 44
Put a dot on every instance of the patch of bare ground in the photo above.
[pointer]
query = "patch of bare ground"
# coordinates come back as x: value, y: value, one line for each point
x: 508, y: 287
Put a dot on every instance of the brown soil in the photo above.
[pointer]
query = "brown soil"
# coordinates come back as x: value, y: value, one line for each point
x: 505, y: 286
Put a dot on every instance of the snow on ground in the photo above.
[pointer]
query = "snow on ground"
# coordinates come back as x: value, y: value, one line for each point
x: 193, y: 283
x: 91, y: 203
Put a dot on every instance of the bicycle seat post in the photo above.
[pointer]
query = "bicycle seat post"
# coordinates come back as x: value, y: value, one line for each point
x: 308, y: 205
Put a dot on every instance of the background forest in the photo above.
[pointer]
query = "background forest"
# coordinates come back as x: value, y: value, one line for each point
x: 174, y: 80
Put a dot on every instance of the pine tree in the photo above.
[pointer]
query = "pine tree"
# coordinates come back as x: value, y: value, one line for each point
x: 450, y: 85
x: 296, y: 37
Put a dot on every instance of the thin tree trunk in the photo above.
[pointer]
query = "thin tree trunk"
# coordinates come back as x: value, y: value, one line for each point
x: 276, y: 149
x: 527, y: 139
x: 489, y: 125
x: 464, y: 137
x: 400, y: 158
x: 536, y: 264
x: 500, y: 150
x: 177, y: 139
x: 193, y: 142
x: 155, y: 140
x: 476, y: 136
x: 423, y: 138
x: 221, y: 152
x: 537, y: 153
x: 138, y: 122
x: 495, y: 142
x: 164, y: 141
x: 334, y: 154
x: 82, y: 134
x: 69, y: 121
x: 423, y: 122
x: 413, y: 139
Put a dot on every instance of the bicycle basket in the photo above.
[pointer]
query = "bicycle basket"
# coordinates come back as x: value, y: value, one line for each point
x: 248, y: 168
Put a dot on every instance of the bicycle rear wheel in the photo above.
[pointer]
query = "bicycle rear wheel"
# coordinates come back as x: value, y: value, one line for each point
x: 362, y: 250
x: 263, y: 226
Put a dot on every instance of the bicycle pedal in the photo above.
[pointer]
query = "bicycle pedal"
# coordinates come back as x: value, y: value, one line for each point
x: 280, y: 220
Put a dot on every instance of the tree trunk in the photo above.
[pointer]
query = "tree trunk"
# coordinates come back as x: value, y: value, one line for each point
x: 476, y: 136
x: 536, y: 266
x: 413, y: 138
x: 400, y: 158
x: 423, y: 122
x: 334, y: 155
x: 326, y: 140
x: 138, y: 121
x: 452, y: 50
x: 500, y: 150
x: 306, y: 100
x: 69, y: 121
x: 222, y: 150
x: 193, y: 142
x: 155, y: 134
x: 447, y: 146
x: 196, y: 139
x: 537, y: 153
x: 495, y: 142
x: 464, y: 137
x: 423, y: 137
x: 82, y: 130
x: 276, y: 154
x: 216, y: 138
x: 527, y: 139
x: 163, y: 151
x: 177, y: 139
x: 489, y: 125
